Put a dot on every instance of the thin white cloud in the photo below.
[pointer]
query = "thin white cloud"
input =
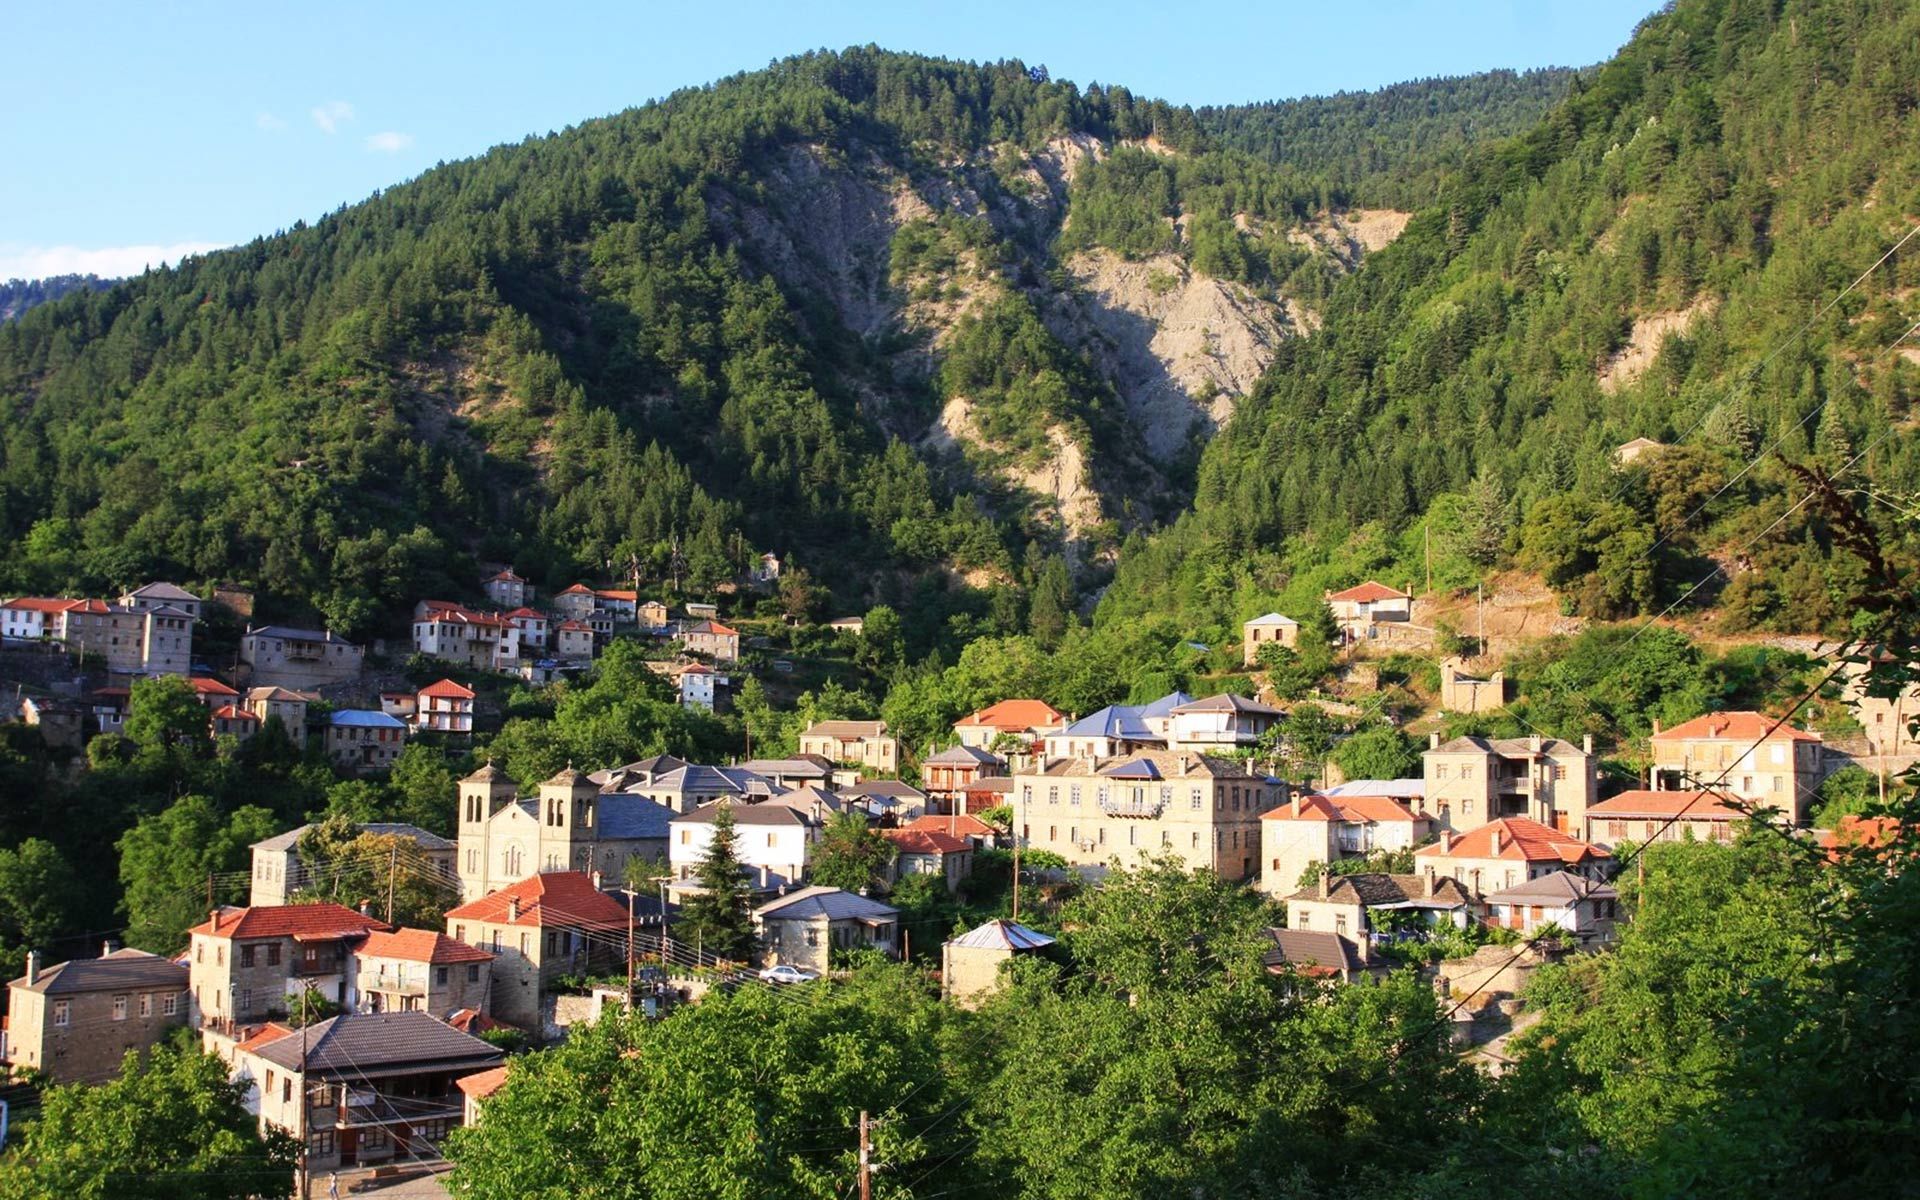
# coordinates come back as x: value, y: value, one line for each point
x: 390, y: 142
x: 331, y: 115
x: 267, y: 121
x: 109, y: 262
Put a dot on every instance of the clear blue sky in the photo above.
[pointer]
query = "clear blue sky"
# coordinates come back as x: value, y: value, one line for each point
x: 131, y: 130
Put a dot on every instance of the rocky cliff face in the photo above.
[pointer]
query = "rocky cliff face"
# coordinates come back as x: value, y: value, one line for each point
x: 1177, y: 348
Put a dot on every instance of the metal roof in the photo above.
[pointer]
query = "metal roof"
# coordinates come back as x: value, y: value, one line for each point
x: 831, y: 903
x: 1002, y: 934
x: 365, y: 718
x: 354, y: 1043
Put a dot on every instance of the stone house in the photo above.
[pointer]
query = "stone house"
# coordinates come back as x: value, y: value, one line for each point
x: 547, y: 925
x: 1627, y: 452
x: 129, y: 641
x: 153, y: 596
x: 1744, y: 754
x: 1472, y: 780
x: 286, y: 657
x: 709, y: 637
x: 569, y: 824
x: 575, y: 603
x: 1205, y: 810
x: 363, y: 741
x: 277, y: 872
x: 230, y: 720
x: 573, y: 641
x: 61, y: 723
x: 930, y: 852
x: 970, y: 964
x: 864, y: 742
x: 1371, y: 905
x: 534, y: 628
x: 505, y: 589
x: 1582, y: 907
x: 362, y: 1089
x: 1322, y: 829
x: 211, y: 693
x: 1464, y: 692
x: 269, y: 702
x: 75, y: 1020
x: 951, y: 772
x: 1369, y: 611
x: 804, y: 927
x: 651, y: 614
x: 1270, y: 628
x: 444, y: 707
x: 419, y: 970
x: 245, y: 964
x: 464, y: 636
x: 1647, y: 816
x: 1508, y: 852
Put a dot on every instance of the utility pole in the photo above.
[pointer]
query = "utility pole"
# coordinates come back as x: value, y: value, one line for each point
x: 393, y: 866
x: 1480, y: 605
x: 209, y: 893
x: 866, y: 1160
x: 1429, y: 545
x: 629, y: 894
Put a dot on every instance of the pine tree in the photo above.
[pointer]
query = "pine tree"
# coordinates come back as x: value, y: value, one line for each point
x: 1486, y: 521
x: 717, y: 918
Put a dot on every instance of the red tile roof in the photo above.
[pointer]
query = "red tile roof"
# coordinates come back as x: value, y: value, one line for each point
x: 576, y: 627
x: 231, y: 712
x: 1368, y: 592
x: 1014, y: 715
x: 1740, y: 726
x: 271, y: 1032
x: 40, y: 604
x: 526, y: 614
x: 1375, y: 809
x: 475, y: 1022
x: 1516, y: 838
x: 613, y: 594
x: 555, y: 898
x: 578, y: 589
x: 1693, y: 806
x: 506, y: 576
x: 925, y: 841
x: 421, y: 945
x: 288, y: 920
x: 202, y: 686
x: 952, y: 824
x: 447, y: 689
x: 482, y: 1084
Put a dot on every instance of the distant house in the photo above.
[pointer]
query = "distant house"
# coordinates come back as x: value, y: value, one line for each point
x: 622, y: 605
x: 1118, y: 729
x: 362, y: 740
x: 60, y: 722
x: 363, y: 1089
x: 573, y: 641
x: 533, y: 626
x: 931, y: 852
x: 127, y: 641
x: 863, y: 742
x: 767, y: 569
x: 545, y: 926
x: 1352, y: 906
x: 75, y: 1020
x: 575, y: 603
x: 1311, y: 829
x: 1462, y: 691
x: 457, y: 634
x: 702, y: 611
x: 508, y: 590
x: 290, y: 707
x: 774, y: 841
x: 804, y: 927
x: 970, y: 964
x: 245, y: 964
x: 651, y: 614
x: 951, y: 772
x: 976, y: 832
x: 230, y: 720
x: 301, y: 659
x: 1025, y: 721
x: 1272, y: 628
x: 851, y: 625
x: 444, y: 707
x: 107, y: 708
x: 1368, y: 610
x: 30, y: 618
x: 1580, y: 906
x: 211, y: 693
x: 1627, y: 452
x: 1647, y: 816
x: 700, y: 687
x: 1508, y: 852
x: 1315, y: 954
x: 420, y: 970
x: 1220, y: 723
x: 477, y: 1088
x: 163, y: 595
x: 1472, y: 779
x: 1745, y: 754
x: 278, y: 873
x: 885, y: 799
x: 711, y: 638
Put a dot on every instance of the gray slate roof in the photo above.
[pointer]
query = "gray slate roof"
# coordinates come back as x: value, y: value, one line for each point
x: 288, y: 633
x: 1376, y: 890
x: 357, y: 1043
x: 1506, y: 747
x: 1227, y: 702
x: 123, y: 970
x: 1309, y: 948
x: 963, y: 756
x: 1561, y: 887
x: 831, y: 903
x: 425, y: 840
x: 625, y: 815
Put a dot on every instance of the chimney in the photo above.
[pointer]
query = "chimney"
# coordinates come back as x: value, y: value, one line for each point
x: 1586, y: 744
x: 110, y: 946
x: 1433, y: 741
x: 1656, y: 727
x: 1326, y: 873
x: 366, y: 908
x: 1533, y: 744
x: 1296, y: 805
x: 1499, y: 839
x: 596, y: 881
x: 513, y: 908
x: 33, y: 967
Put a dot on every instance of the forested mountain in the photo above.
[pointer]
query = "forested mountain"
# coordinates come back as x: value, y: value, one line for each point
x: 892, y: 316
x: 1663, y: 256
x: 19, y: 295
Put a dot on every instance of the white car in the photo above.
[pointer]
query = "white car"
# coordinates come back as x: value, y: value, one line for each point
x: 788, y: 973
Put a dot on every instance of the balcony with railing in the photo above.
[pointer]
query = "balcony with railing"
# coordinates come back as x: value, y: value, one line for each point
x: 1149, y: 805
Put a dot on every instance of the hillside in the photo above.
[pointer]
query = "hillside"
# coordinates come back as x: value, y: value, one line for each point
x: 19, y: 295
x: 1662, y: 256
x: 896, y: 318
